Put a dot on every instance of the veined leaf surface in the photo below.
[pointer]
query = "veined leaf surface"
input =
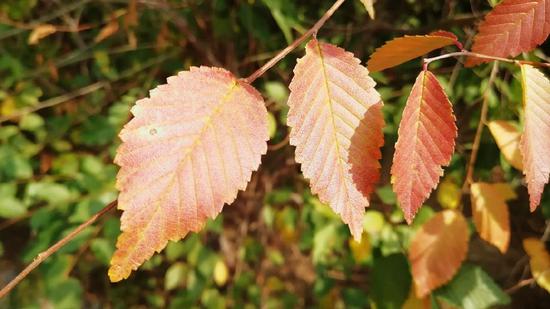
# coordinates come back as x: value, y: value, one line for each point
x: 507, y: 137
x: 408, y: 47
x: 490, y: 212
x: 426, y: 141
x: 535, y: 141
x: 511, y: 28
x: 437, y: 250
x: 336, y: 120
x: 188, y: 150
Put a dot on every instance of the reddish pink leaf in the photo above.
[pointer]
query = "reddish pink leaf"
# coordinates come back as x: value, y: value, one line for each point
x: 188, y: 150
x: 512, y: 27
x: 426, y: 142
x: 437, y: 250
x: 336, y: 120
x: 535, y: 141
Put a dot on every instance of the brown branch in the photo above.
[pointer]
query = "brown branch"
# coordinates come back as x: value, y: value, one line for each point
x: 479, y: 130
x: 482, y: 56
x: 41, y: 257
x: 294, y: 44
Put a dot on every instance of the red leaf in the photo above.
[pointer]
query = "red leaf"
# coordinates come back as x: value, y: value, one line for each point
x: 437, y: 250
x: 426, y: 142
x: 535, y: 141
x: 188, y: 150
x: 512, y: 27
x: 403, y: 49
x: 336, y: 120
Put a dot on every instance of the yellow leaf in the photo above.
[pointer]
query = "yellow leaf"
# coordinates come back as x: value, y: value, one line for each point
x: 369, y: 5
x: 490, y: 212
x: 373, y: 221
x: 40, y: 32
x: 8, y: 106
x: 449, y: 194
x: 414, y: 302
x: 109, y: 29
x: 220, y: 273
x: 361, y: 250
x: 539, y: 261
x: 507, y: 137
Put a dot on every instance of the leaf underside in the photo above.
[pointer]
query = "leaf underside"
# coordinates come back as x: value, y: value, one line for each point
x: 507, y: 137
x: 426, y: 141
x: 437, y: 251
x: 188, y: 150
x: 490, y: 212
x: 512, y: 27
x: 535, y: 141
x: 403, y: 49
x: 336, y: 120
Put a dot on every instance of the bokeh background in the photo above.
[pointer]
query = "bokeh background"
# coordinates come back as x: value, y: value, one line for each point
x: 71, y: 70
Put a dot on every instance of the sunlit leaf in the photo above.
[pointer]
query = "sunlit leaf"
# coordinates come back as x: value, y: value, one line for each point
x: 539, y: 260
x: 535, y: 144
x: 40, y: 32
x: 369, y: 6
x: 449, y: 194
x: 189, y: 149
x: 472, y: 288
x: 408, y: 47
x: 490, y: 212
x: 437, y: 251
x: 426, y: 142
x: 507, y: 137
x: 336, y: 120
x: 511, y: 28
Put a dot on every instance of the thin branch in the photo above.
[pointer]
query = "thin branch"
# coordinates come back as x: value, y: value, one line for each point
x: 482, y: 56
x: 294, y: 44
x: 479, y: 130
x: 41, y: 257
x: 86, y: 89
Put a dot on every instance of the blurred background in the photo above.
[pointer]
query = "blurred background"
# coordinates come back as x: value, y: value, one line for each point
x: 71, y: 70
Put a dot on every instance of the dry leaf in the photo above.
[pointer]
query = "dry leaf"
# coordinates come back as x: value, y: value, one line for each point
x: 535, y: 141
x: 40, y: 32
x: 425, y: 143
x: 406, y: 48
x: 437, y: 250
x: 512, y: 27
x: 539, y: 261
x: 507, y: 137
x: 108, y: 30
x: 490, y: 212
x: 369, y: 6
x: 336, y: 120
x: 188, y: 150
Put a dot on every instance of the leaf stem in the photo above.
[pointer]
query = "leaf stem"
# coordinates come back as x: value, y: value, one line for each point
x: 41, y: 257
x: 427, y: 61
x: 479, y: 130
x: 250, y: 79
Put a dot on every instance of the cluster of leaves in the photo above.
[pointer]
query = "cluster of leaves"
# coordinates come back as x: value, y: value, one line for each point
x: 58, y: 170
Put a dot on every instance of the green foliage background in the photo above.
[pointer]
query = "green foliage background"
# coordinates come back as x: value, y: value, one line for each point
x: 280, y: 246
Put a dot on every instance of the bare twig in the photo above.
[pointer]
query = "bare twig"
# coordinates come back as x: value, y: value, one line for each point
x: 41, y: 257
x: 482, y: 56
x: 479, y: 130
x: 294, y: 44
x: 84, y: 90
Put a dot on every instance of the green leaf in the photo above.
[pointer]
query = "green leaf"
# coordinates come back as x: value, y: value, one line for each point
x: 472, y: 288
x: 11, y: 207
x: 175, y: 276
x: 390, y: 281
